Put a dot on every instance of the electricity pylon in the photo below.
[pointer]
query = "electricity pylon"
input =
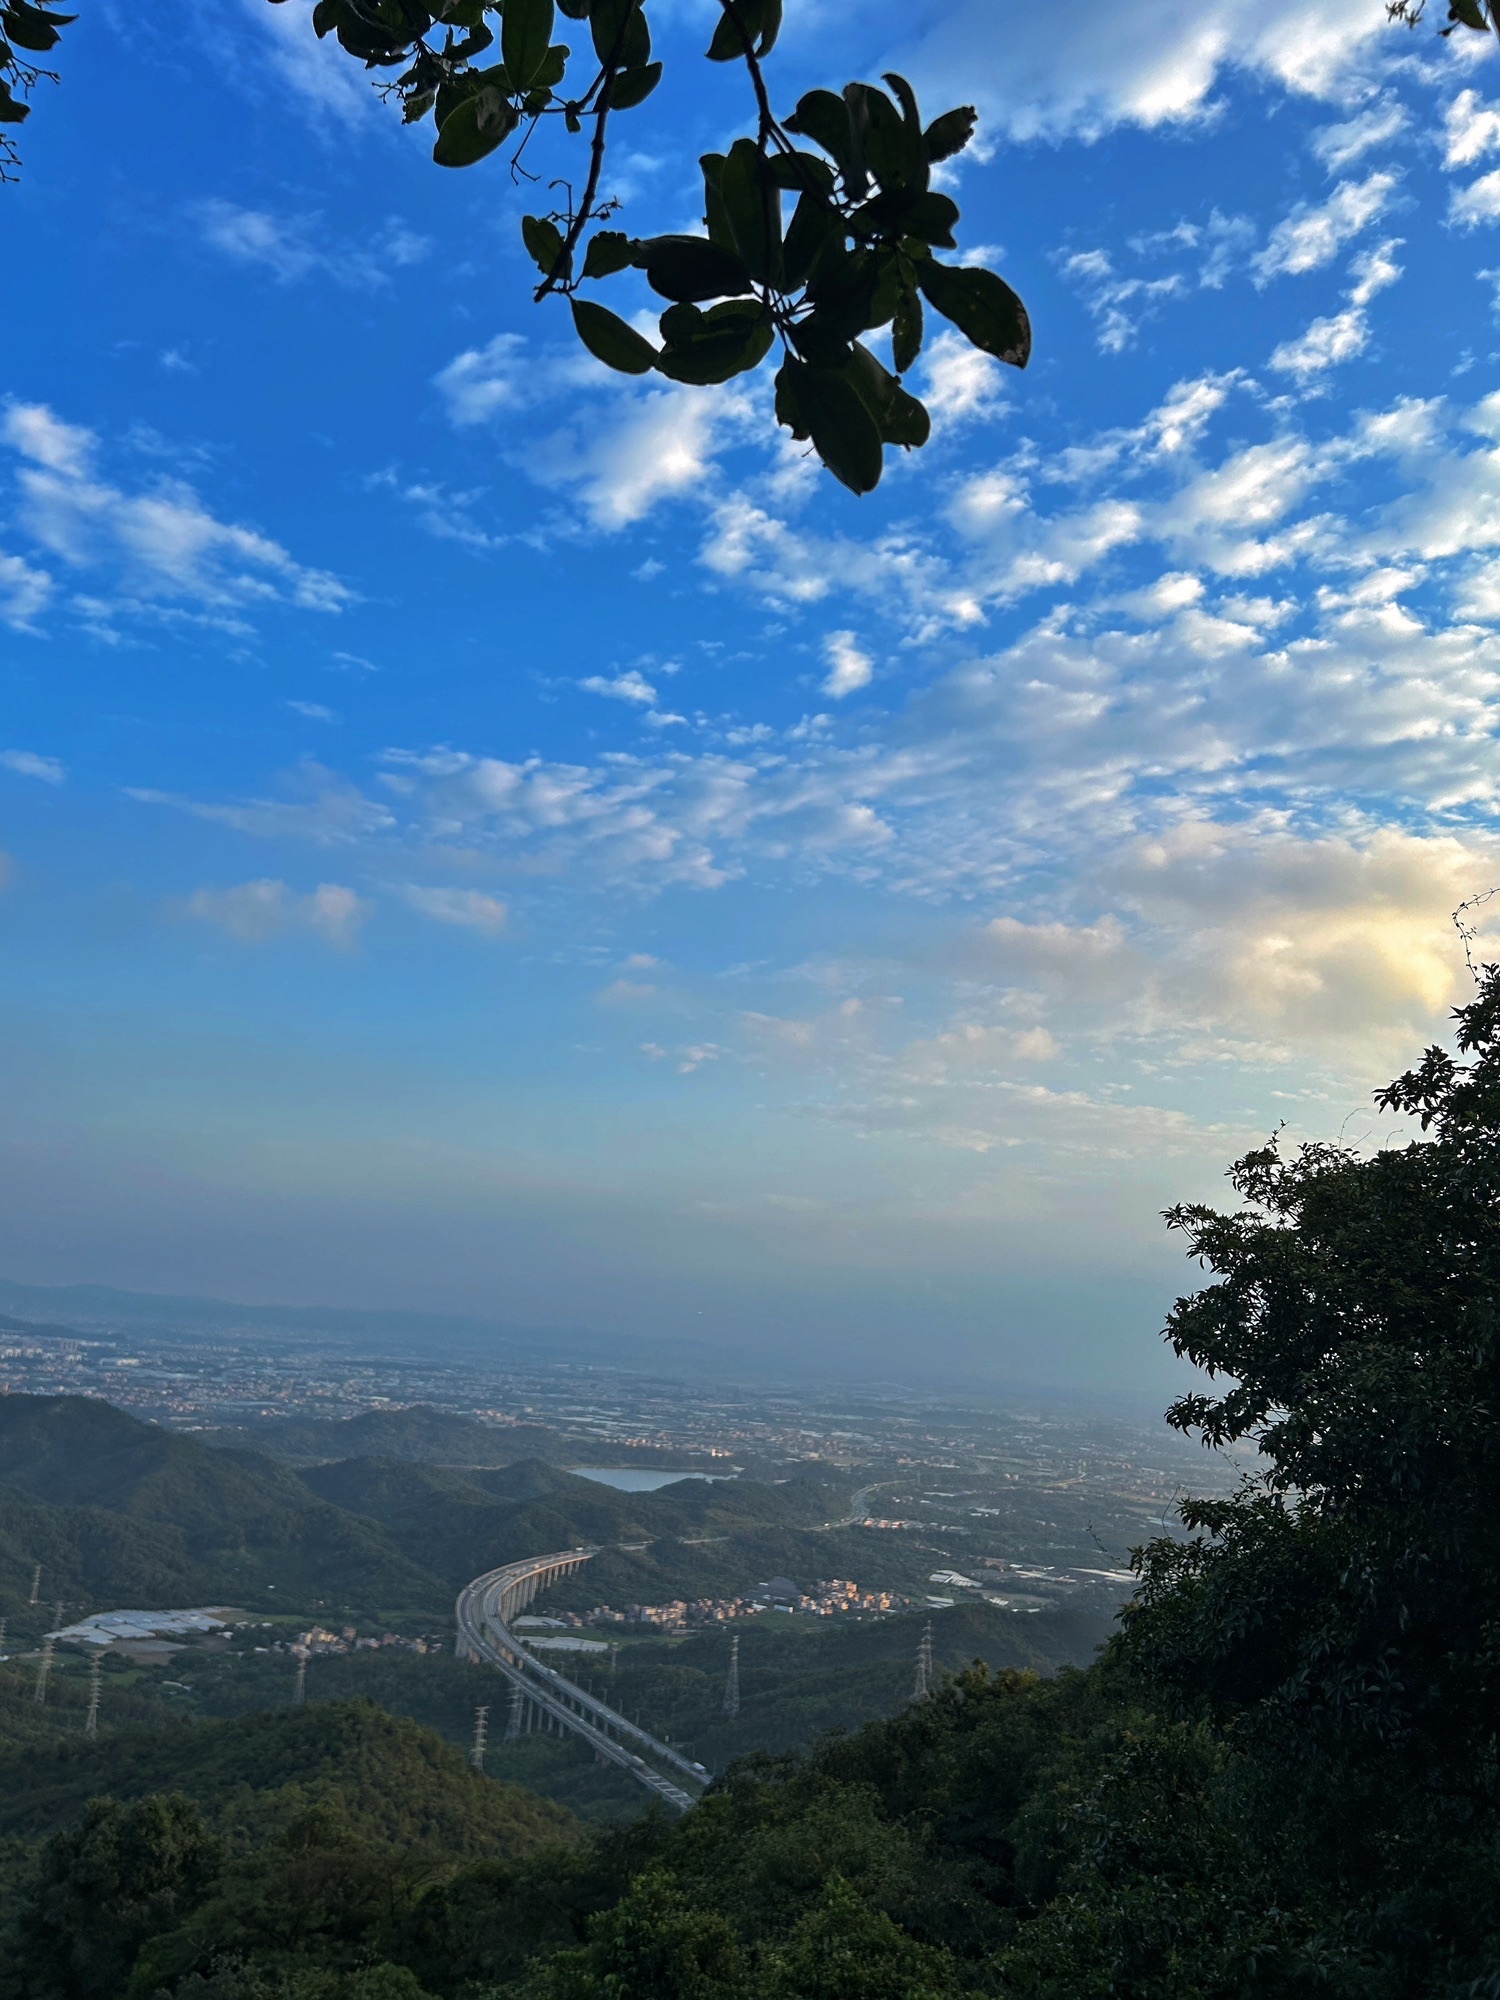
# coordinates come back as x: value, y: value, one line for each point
x: 44, y: 1667
x: 513, y: 1720
x: 36, y: 1584
x: 481, y: 1732
x: 299, y: 1692
x: 91, y: 1720
x: 732, y: 1678
x: 923, y: 1686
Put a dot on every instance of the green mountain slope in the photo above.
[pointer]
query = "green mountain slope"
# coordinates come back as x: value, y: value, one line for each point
x: 227, y: 1524
x: 396, y: 1780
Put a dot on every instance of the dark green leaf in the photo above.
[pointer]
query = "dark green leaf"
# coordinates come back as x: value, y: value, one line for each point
x: 525, y: 37
x: 33, y: 29
x: 752, y: 206
x: 473, y: 44
x: 550, y: 75
x: 823, y: 404
x: 906, y: 421
x: 759, y: 19
x: 544, y: 242
x: 633, y: 86
x: 842, y: 287
x: 690, y: 268
x: 11, y: 113
x: 609, y: 250
x: 454, y: 89
x: 890, y: 154
x: 982, y: 307
x: 814, y: 223
x: 907, y: 212
x: 857, y: 172
x: 799, y: 172
x: 824, y: 118
x: 1469, y: 12
x: 476, y: 127
x: 620, y: 33
x: 576, y: 10
x: 901, y: 419
x: 906, y: 329
x: 949, y: 134
x: 715, y: 215
x: 709, y: 347
x: 325, y: 17
x: 610, y: 340
x: 911, y: 119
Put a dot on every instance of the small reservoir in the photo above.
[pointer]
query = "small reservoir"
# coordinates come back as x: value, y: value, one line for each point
x: 633, y: 1479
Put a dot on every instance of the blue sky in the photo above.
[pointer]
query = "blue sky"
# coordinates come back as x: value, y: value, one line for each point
x: 486, y: 833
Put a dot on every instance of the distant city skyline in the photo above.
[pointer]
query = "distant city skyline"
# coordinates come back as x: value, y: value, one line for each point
x: 482, y: 836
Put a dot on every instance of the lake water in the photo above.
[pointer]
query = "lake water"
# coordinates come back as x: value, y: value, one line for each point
x: 630, y: 1479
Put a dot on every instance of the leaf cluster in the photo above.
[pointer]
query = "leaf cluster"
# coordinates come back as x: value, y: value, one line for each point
x: 26, y: 31
x: 820, y: 230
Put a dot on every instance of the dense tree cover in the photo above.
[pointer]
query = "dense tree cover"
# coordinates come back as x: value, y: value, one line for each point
x: 1279, y: 1781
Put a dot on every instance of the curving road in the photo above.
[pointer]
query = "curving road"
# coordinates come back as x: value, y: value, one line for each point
x: 484, y: 1610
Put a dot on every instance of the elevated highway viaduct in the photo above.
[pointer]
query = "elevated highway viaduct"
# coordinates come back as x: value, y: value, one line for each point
x: 484, y: 1610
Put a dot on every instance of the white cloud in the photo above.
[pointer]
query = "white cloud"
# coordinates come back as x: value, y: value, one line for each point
x: 313, y: 710
x: 1472, y: 129
x: 620, y: 457
x: 256, y: 911
x: 1149, y: 66
x: 630, y: 686
x: 28, y: 764
x: 1374, y: 270
x: 477, y: 384
x: 1117, y: 303
x: 161, y: 543
x: 959, y: 383
x: 38, y: 434
x: 651, y: 445
x: 320, y: 73
x: 468, y: 909
x: 1313, y: 234
x: 1478, y: 203
x: 25, y: 592
x: 289, y: 248
x: 849, y: 669
x: 1339, y: 146
x: 318, y: 807
x: 1325, y: 344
